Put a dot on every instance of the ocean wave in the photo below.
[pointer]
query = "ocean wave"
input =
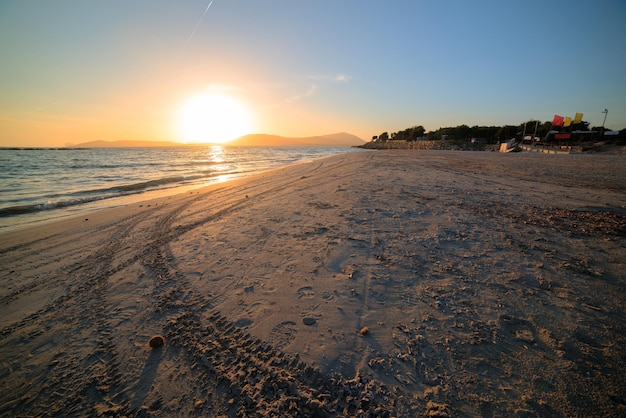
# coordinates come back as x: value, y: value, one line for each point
x: 39, y: 182
x: 146, y: 184
x: 119, y: 190
x: 65, y: 200
x: 40, y: 207
x: 88, y: 196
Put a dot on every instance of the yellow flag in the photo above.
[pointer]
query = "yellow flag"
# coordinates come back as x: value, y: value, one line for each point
x: 568, y: 121
x: 578, y: 118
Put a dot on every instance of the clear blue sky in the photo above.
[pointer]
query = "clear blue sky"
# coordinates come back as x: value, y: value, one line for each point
x: 79, y: 70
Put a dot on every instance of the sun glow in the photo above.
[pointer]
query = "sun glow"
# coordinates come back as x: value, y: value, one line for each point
x: 213, y: 117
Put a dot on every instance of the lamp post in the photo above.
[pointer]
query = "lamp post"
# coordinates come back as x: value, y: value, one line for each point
x: 606, y: 112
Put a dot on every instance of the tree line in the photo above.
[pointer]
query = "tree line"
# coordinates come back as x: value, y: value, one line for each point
x: 486, y: 134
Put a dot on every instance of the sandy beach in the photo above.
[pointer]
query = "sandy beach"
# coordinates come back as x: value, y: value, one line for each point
x: 383, y: 283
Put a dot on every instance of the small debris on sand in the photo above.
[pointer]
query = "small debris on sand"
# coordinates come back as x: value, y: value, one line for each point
x: 364, y: 331
x: 157, y: 341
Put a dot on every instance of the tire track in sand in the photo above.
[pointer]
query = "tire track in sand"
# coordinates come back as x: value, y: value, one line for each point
x: 233, y: 372
x: 252, y: 376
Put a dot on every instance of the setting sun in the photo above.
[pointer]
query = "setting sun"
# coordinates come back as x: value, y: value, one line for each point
x: 213, y: 117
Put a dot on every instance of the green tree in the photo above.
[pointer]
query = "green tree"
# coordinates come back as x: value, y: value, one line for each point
x: 462, y: 132
x: 417, y: 132
x: 434, y: 135
x: 409, y: 134
x: 504, y: 133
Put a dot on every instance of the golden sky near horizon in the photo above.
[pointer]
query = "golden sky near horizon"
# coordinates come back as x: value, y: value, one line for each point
x: 205, y: 71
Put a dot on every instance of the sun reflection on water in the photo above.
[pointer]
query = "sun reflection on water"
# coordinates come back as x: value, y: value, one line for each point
x: 218, y: 161
x: 216, y: 154
x: 221, y: 178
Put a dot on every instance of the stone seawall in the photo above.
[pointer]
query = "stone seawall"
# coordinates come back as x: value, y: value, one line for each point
x: 429, y: 145
x: 599, y: 147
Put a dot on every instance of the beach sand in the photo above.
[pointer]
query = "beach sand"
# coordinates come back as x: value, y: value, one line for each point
x: 384, y: 283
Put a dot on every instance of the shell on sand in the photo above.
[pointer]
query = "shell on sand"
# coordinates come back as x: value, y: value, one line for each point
x: 156, y: 341
x: 364, y: 331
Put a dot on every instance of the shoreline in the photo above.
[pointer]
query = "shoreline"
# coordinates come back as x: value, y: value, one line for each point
x: 439, y: 283
x: 120, y: 204
x: 37, y: 218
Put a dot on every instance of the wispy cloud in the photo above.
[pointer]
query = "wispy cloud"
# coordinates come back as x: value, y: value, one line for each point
x: 314, y: 86
x: 340, y: 78
x: 310, y: 91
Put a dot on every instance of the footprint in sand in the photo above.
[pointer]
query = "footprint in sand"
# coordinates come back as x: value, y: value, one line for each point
x: 217, y: 300
x: 283, y: 334
x: 306, y: 292
x: 243, y: 322
x: 410, y: 300
x: 521, y: 329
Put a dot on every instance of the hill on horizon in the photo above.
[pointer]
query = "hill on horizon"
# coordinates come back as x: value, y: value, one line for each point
x: 125, y: 144
x: 338, y: 139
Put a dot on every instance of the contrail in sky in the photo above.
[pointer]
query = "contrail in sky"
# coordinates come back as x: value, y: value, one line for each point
x: 197, y: 26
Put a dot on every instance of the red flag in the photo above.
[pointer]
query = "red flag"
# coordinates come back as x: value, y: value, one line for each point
x: 558, y: 120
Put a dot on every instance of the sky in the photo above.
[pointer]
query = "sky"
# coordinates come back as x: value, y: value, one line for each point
x: 77, y: 70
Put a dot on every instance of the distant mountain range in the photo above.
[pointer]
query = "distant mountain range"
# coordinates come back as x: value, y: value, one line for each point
x: 263, y: 140
x: 124, y: 144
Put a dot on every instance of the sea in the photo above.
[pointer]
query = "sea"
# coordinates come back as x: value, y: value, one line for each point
x: 39, y: 185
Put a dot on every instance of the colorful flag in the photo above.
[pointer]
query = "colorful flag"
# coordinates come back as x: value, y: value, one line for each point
x: 568, y: 121
x: 557, y: 121
x: 578, y: 118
